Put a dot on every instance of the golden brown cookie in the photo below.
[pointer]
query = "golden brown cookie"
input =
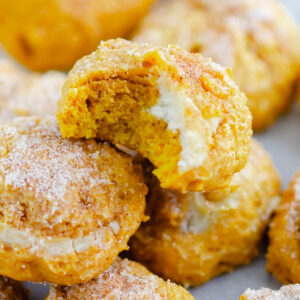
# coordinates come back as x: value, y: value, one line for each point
x: 181, y: 111
x: 27, y: 93
x: 67, y: 207
x: 288, y: 292
x: 258, y: 39
x: 11, y: 289
x: 123, y: 280
x: 53, y: 34
x: 283, y: 257
x: 194, y: 237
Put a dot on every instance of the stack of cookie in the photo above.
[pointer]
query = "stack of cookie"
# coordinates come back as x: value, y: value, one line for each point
x: 150, y: 151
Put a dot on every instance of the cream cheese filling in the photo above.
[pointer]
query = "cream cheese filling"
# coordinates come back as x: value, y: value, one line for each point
x: 57, y: 246
x: 172, y: 108
x: 203, y: 213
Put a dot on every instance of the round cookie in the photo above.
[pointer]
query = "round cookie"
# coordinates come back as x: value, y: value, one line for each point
x: 181, y: 111
x: 26, y: 93
x: 11, y: 289
x: 53, y: 34
x: 283, y: 257
x: 194, y: 237
x: 258, y: 39
x: 123, y: 280
x: 67, y: 208
x: 288, y: 292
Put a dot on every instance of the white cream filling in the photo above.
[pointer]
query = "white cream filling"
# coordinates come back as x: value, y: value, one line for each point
x: 171, y: 107
x: 203, y: 213
x: 15, y: 238
x: 115, y: 227
x: 195, y: 221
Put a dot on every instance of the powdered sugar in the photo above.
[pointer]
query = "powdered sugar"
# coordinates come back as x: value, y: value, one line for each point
x: 46, y: 164
x: 55, y: 180
x: 288, y: 292
x: 122, y: 280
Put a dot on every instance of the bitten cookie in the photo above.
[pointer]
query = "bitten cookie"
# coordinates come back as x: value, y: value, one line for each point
x: 67, y: 208
x: 194, y: 237
x: 258, y: 39
x: 181, y: 111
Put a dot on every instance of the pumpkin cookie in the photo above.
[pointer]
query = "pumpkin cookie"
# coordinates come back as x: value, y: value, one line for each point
x: 26, y: 93
x: 53, y: 34
x: 67, y: 208
x: 257, y: 39
x: 123, y: 280
x: 181, y: 111
x: 283, y: 257
x: 194, y: 237
x: 288, y: 292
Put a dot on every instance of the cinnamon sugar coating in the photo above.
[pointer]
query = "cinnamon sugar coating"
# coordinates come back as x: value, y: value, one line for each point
x: 123, y: 280
x: 194, y: 237
x: 26, y: 93
x: 259, y: 40
x: 288, y: 292
x: 283, y: 257
x: 181, y: 111
x: 67, y: 207
x: 11, y: 289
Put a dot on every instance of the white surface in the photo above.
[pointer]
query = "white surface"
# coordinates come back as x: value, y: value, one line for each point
x: 283, y: 142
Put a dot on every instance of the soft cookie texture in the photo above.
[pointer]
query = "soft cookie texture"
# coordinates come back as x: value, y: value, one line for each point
x: 67, y: 208
x: 288, y: 292
x: 28, y: 93
x: 283, y: 257
x: 53, y: 34
x: 11, y: 289
x: 181, y: 111
x: 123, y: 280
x: 194, y: 237
x: 258, y: 39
